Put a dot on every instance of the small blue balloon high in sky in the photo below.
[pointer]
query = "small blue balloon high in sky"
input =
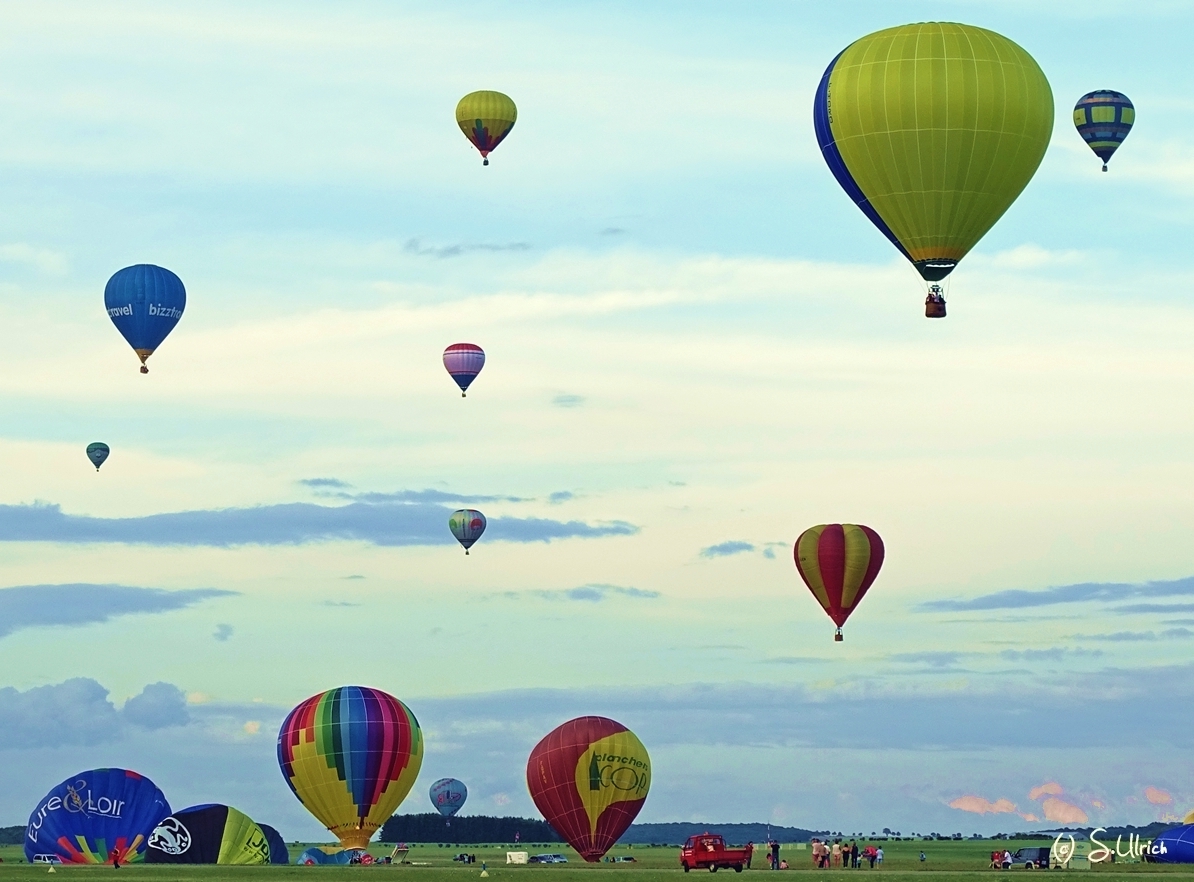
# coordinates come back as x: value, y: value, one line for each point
x: 97, y: 452
x: 145, y: 302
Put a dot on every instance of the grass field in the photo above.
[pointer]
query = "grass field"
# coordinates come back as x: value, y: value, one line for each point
x: 946, y: 861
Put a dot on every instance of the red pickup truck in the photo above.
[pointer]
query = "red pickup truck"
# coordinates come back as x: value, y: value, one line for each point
x: 709, y: 850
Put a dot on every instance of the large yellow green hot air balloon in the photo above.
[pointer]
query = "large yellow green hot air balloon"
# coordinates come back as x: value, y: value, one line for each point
x: 486, y: 118
x: 351, y: 755
x: 933, y: 129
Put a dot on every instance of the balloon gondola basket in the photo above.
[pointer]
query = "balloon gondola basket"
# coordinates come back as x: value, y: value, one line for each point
x: 144, y: 369
x: 935, y: 302
x: 837, y: 636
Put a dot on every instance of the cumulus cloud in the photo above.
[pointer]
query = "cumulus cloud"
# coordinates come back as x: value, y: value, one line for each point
x: 33, y: 606
x: 1051, y: 788
x: 386, y: 524
x: 725, y: 549
x: 1061, y: 812
x: 568, y: 400
x: 980, y: 806
x: 223, y: 632
x: 159, y: 705
x: 1157, y: 796
x: 1106, y: 592
x: 79, y: 712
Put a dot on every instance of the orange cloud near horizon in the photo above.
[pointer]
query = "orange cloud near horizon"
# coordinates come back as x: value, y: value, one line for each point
x: 1052, y: 788
x: 1061, y: 812
x: 980, y: 806
x: 1157, y: 796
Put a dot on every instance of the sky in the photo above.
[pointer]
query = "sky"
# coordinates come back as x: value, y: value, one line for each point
x: 697, y: 348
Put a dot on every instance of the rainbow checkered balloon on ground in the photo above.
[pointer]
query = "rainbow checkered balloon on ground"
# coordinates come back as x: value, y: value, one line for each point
x: 351, y: 755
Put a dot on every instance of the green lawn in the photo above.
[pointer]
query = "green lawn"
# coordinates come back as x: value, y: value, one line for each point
x: 946, y: 861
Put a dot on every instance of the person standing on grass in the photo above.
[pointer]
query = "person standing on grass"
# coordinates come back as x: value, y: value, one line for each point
x: 837, y: 853
x: 879, y: 855
x: 775, y: 854
x: 854, y: 855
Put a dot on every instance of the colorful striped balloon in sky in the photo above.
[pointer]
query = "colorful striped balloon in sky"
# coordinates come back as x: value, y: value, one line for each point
x: 1103, y: 119
x: 839, y: 562
x: 464, y: 361
x: 351, y: 756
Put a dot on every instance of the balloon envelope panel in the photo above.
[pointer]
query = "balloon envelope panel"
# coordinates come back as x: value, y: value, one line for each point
x: 351, y: 755
x: 933, y: 129
x: 589, y: 778
x: 207, y: 834
x: 1174, y: 846
x: 89, y: 814
x: 278, y: 852
x: 448, y: 795
x: 145, y: 302
x: 316, y: 855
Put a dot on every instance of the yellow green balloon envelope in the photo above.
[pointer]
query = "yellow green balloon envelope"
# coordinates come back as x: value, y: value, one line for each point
x: 486, y: 118
x: 207, y: 834
x: 933, y: 129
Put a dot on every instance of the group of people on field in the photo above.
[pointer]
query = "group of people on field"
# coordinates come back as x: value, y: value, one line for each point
x: 846, y: 856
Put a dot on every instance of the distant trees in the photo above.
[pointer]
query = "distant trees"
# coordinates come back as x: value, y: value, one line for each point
x: 12, y: 835
x: 468, y: 830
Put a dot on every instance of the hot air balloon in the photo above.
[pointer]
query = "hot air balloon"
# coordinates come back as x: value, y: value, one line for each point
x: 351, y: 755
x: 486, y: 118
x: 97, y: 452
x: 448, y: 795
x: 589, y: 778
x: 464, y: 361
x: 91, y: 814
x: 467, y: 525
x: 145, y: 302
x: 839, y: 562
x: 278, y: 852
x: 1103, y: 119
x: 208, y: 834
x: 933, y: 129
x: 318, y: 856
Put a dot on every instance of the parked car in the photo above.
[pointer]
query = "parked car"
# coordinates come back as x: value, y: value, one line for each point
x: 547, y: 859
x: 1036, y: 858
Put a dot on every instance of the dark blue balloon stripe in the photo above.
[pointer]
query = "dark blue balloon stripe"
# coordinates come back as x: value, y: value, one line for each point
x: 822, y: 125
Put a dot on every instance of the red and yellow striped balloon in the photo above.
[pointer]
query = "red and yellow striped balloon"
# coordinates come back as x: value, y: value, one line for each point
x: 839, y: 562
